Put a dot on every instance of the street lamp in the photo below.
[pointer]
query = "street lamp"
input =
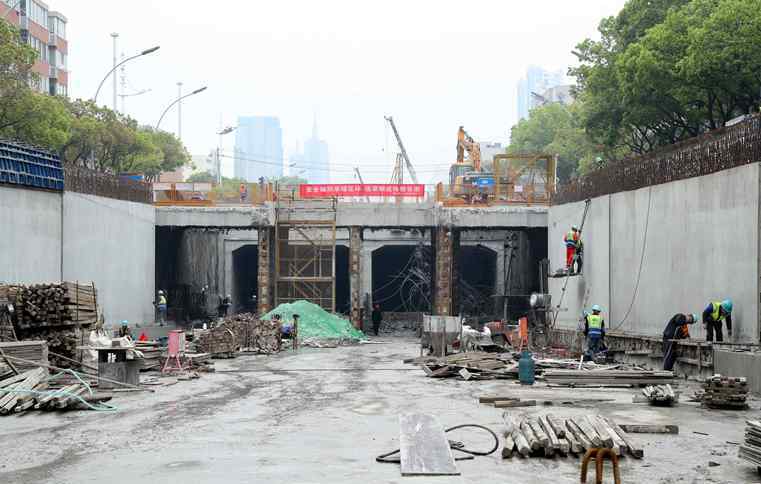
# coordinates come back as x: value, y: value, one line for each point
x: 145, y: 52
x: 218, y: 163
x: 175, y: 102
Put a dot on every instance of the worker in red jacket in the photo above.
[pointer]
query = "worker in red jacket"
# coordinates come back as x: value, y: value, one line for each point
x: 676, y: 328
x: 571, y: 240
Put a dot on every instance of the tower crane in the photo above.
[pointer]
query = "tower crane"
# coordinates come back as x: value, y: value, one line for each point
x: 407, y: 163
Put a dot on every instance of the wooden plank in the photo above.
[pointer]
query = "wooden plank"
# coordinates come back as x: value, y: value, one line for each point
x: 494, y: 398
x: 635, y: 450
x: 649, y: 429
x: 529, y: 436
x: 424, y: 447
x: 514, y: 403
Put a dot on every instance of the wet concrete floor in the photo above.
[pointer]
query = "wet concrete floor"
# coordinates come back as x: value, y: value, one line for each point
x: 253, y: 422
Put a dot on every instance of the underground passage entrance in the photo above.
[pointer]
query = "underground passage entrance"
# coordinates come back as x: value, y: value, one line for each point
x: 476, y: 283
x: 402, y: 278
x: 245, y: 278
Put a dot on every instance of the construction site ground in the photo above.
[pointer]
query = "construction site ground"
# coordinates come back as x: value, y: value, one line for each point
x: 325, y: 421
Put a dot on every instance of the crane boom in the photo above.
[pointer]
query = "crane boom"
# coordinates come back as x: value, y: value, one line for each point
x: 407, y: 163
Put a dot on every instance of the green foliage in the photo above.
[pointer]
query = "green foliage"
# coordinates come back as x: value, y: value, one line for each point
x: 668, y: 70
x: 80, y: 131
x: 555, y: 129
x: 201, y: 177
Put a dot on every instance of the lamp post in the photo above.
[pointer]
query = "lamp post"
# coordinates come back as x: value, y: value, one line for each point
x: 145, y: 52
x: 114, y: 36
x: 179, y: 99
x: 218, y: 163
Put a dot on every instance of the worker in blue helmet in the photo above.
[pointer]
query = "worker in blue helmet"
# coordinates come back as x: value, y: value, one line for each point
x: 594, y: 330
x: 676, y: 328
x: 713, y: 315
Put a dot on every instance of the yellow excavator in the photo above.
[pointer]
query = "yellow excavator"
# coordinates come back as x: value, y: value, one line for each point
x: 466, y: 179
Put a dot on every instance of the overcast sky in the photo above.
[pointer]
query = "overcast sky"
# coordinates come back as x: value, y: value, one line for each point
x: 434, y: 65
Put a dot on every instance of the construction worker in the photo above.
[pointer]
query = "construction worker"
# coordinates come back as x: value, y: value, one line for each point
x: 243, y: 191
x: 162, y: 308
x: 124, y: 329
x: 676, y: 328
x: 594, y: 330
x: 377, y: 318
x: 713, y: 315
x: 571, y: 241
x: 579, y: 258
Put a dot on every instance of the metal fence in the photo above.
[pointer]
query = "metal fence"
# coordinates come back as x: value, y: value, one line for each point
x: 83, y: 180
x: 708, y: 153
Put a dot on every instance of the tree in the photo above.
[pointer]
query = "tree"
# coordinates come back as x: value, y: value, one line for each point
x: 555, y: 129
x: 201, y: 177
x: 668, y: 70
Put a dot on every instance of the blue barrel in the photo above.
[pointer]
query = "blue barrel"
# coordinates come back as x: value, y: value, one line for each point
x: 526, y: 368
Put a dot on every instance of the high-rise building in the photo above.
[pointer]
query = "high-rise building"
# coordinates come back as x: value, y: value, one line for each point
x: 316, y: 158
x: 45, y: 31
x: 530, y: 88
x: 258, y: 148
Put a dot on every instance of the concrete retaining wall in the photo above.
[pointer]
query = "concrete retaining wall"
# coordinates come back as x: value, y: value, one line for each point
x: 702, y: 244
x: 49, y: 237
x: 111, y: 242
x: 735, y: 363
x: 30, y: 235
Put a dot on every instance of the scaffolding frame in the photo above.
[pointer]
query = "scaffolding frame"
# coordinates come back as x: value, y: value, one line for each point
x: 305, y: 251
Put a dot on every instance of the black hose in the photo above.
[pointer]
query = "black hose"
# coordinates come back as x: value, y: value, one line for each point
x: 459, y: 446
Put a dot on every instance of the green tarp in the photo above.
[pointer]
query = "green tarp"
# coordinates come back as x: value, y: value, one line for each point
x: 315, y: 322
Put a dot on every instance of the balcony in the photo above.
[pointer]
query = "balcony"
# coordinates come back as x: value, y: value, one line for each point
x: 52, y: 40
x: 53, y: 72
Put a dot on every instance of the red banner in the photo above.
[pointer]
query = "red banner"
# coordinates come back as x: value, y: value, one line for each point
x: 360, y: 190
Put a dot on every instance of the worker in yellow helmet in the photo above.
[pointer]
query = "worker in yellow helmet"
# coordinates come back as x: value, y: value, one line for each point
x: 594, y: 330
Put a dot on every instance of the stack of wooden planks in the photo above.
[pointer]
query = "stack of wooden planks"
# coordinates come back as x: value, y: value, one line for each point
x: 547, y: 436
x: 750, y: 450
x: 34, y: 351
x: 151, y: 351
x: 725, y: 392
x: 660, y: 395
x: 242, y: 331
x: 477, y: 365
x: 608, y: 377
x: 31, y: 390
x: 55, y: 305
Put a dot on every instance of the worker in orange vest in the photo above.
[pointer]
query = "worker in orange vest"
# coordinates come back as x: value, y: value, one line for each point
x: 572, y: 240
x: 242, y: 190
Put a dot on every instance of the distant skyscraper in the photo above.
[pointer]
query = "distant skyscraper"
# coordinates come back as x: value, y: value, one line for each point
x: 537, y: 81
x: 258, y: 148
x: 316, y: 158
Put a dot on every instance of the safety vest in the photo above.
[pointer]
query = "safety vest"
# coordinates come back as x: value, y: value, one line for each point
x: 595, y: 325
x: 571, y: 238
x: 162, y: 301
x: 716, y: 314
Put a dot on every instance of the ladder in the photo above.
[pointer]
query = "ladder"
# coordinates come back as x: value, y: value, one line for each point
x: 587, y: 202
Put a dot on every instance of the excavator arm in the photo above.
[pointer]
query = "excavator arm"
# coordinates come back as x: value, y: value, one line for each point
x: 407, y: 163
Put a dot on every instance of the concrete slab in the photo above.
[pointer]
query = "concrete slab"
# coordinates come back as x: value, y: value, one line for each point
x: 320, y: 424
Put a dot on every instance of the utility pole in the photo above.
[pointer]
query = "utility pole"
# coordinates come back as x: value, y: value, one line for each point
x: 179, y: 111
x: 114, y: 36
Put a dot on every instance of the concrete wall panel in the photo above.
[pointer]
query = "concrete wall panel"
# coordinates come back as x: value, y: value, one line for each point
x: 30, y: 236
x: 702, y: 244
x: 112, y: 243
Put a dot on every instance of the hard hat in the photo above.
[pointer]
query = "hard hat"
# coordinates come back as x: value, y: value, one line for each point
x: 229, y: 296
x: 573, y: 227
x: 125, y: 322
x: 161, y: 292
x: 727, y: 305
x: 597, y: 308
x: 694, y: 317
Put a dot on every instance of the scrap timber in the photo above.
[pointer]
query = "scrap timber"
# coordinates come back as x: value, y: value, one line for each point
x: 725, y: 392
x: 608, y: 377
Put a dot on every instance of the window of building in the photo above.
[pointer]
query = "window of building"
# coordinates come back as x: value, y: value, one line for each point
x: 60, y: 28
x: 62, y: 90
x: 37, y: 13
x: 60, y: 60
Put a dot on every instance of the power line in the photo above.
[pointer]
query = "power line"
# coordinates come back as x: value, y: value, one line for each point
x: 333, y: 167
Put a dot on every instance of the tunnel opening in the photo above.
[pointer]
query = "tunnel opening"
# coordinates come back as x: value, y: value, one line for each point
x: 402, y: 278
x: 477, y: 280
x: 245, y: 278
x: 343, y: 297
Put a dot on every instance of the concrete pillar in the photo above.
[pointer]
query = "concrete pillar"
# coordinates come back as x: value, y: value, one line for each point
x: 265, y: 276
x: 445, y: 277
x: 355, y: 275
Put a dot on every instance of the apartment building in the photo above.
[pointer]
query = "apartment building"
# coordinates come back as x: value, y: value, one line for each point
x: 45, y: 31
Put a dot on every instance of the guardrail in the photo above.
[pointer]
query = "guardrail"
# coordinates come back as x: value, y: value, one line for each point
x: 83, y: 180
